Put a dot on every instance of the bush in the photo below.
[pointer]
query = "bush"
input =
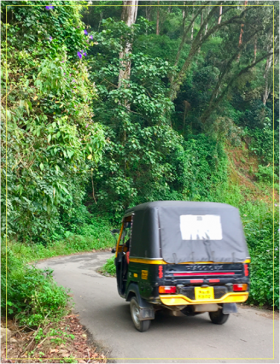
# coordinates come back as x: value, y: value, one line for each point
x: 258, y: 224
x: 109, y: 267
x: 33, y: 297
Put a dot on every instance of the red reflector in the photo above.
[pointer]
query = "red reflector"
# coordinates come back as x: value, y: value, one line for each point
x: 167, y: 289
x: 239, y: 287
x: 204, y: 274
x: 196, y: 280
x: 160, y: 273
x: 214, y: 280
x: 246, y: 270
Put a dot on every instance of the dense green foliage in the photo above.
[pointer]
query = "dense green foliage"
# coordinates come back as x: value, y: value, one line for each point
x: 109, y: 267
x: 85, y: 143
x: 258, y: 224
x: 33, y: 297
x: 52, y: 143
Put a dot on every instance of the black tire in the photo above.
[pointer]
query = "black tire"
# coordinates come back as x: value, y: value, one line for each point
x: 134, y: 310
x: 218, y: 317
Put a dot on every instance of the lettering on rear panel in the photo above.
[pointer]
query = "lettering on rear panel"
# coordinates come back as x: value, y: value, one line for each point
x: 201, y: 227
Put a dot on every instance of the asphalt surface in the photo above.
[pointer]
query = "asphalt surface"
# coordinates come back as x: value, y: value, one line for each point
x: 246, y: 337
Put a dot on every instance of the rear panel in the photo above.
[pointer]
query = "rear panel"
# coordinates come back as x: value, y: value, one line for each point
x: 185, y: 277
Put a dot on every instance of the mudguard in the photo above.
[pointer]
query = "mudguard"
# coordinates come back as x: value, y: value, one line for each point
x: 147, y: 311
x: 229, y: 308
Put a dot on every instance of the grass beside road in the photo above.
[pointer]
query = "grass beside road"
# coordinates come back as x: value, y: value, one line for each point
x: 35, y: 304
x: 109, y: 267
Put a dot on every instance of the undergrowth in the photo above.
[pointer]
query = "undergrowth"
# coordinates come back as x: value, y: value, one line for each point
x: 33, y: 298
x: 109, y: 267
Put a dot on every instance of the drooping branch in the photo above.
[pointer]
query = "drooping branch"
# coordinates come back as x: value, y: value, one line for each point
x: 186, y: 31
x: 175, y: 83
x: 227, y: 67
x: 216, y: 102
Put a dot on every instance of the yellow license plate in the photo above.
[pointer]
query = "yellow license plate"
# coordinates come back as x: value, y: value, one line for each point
x: 204, y: 293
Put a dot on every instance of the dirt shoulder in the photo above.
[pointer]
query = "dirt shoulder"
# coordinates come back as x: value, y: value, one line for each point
x: 262, y: 311
x: 64, y: 342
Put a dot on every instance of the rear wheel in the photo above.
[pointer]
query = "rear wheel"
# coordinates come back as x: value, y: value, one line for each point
x: 218, y: 317
x: 135, y: 311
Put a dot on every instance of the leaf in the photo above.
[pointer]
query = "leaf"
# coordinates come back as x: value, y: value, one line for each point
x: 41, y: 166
x: 89, y: 157
x: 54, y: 351
x: 27, y: 108
x: 49, y: 137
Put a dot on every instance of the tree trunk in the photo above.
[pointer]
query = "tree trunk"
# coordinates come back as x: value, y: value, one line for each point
x: 100, y: 21
x: 184, y: 13
x: 157, y: 32
x: 220, y: 17
x: 206, y: 28
x: 129, y: 15
x: 148, y: 12
x: 255, y: 49
x: 267, y: 88
x: 241, y: 33
x: 201, y: 24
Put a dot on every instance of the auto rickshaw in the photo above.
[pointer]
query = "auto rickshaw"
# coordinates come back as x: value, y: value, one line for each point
x: 184, y: 256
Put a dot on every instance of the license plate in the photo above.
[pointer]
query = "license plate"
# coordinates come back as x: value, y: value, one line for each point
x: 204, y: 293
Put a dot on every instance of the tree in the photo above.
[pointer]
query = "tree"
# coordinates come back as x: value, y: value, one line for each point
x: 256, y: 25
x: 129, y: 15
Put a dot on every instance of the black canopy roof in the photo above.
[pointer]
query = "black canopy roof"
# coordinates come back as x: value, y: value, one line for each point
x: 184, y: 231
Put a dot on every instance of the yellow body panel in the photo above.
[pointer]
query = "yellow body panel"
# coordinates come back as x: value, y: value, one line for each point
x: 180, y: 300
x: 161, y: 261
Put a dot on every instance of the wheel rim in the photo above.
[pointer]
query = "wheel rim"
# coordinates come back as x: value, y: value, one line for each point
x: 135, y: 314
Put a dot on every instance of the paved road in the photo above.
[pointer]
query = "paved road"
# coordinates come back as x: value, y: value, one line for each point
x: 246, y: 337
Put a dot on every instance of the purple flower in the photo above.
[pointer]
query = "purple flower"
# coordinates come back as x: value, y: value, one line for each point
x: 86, y: 125
x: 85, y: 32
x: 62, y: 61
x: 79, y: 55
x: 50, y: 38
x: 91, y: 37
x: 275, y: 204
x: 85, y: 54
x: 73, y: 81
x: 49, y: 7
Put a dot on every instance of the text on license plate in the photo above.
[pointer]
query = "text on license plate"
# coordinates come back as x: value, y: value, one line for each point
x: 204, y: 293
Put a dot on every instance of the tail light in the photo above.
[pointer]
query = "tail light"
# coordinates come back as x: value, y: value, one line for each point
x: 160, y: 272
x: 239, y: 287
x: 246, y: 270
x: 167, y: 289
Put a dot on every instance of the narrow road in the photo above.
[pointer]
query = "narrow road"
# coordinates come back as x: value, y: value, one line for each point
x: 246, y: 337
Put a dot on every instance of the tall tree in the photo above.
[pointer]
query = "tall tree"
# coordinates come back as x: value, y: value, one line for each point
x: 157, y: 31
x: 232, y: 18
x: 129, y: 15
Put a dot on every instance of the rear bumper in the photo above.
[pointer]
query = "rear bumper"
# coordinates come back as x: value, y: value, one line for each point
x: 181, y: 300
